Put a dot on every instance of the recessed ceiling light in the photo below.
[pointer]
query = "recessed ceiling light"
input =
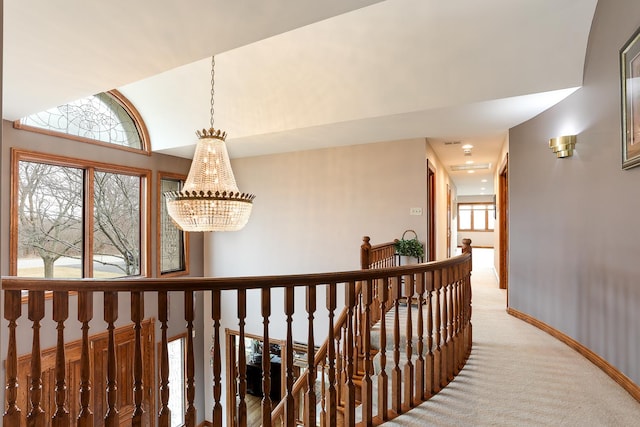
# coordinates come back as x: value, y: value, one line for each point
x: 482, y: 188
x: 469, y: 162
x: 471, y: 171
x: 467, y: 147
x: 484, y: 180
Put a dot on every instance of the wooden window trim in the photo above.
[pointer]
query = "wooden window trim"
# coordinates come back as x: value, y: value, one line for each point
x: 474, y: 229
x: 145, y: 141
x: 18, y: 155
x: 160, y: 200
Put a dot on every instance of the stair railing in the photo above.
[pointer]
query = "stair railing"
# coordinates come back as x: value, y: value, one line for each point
x: 434, y: 350
x: 339, y: 387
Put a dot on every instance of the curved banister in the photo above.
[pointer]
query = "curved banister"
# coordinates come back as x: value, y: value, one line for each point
x: 441, y: 288
x: 221, y: 284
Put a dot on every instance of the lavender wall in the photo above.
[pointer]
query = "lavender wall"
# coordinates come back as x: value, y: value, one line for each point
x: 574, y: 222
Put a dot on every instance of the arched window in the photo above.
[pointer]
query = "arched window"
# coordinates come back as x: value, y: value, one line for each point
x: 106, y: 118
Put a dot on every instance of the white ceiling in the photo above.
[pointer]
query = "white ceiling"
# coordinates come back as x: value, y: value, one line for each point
x: 296, y: 75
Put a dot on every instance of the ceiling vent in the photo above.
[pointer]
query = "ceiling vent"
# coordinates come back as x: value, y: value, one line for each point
x: 452, y: 143
x: 478, y: 166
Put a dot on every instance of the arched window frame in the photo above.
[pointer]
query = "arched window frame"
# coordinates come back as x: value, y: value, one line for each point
x: 126, y: 105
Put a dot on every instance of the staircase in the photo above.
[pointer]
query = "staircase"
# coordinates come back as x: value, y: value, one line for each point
x: 400, y: 339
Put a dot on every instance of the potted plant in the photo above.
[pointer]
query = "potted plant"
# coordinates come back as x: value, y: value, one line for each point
x: 409, y: 247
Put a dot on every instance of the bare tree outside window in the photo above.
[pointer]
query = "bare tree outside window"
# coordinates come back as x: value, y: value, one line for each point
x: 52, y: 228
x: 50, y: 219
x: 116, y: 243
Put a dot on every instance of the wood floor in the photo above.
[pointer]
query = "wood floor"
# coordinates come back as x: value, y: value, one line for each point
x: 254, y: 405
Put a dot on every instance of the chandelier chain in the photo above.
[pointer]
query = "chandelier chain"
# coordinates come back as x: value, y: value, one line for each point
x: 213, y: 64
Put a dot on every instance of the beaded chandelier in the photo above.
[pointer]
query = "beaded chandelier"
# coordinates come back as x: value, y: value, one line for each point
x: 210, y: 200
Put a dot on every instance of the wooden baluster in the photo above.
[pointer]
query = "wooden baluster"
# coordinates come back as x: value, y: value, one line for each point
x: 469, y: 306
x: 452, y: 350
x: 60, y: 315
x: 216, y: 314
x: 323, y: 396
x: 289, y: 405
x: 85, y: 314
x: 446, y: 346
x: 466, y: 286
x: 332, y: 402
x: 437, y: 354
x: 189, y: 316
x: 420, y: 370
x: 164, y: 415
x: 310, y: 398
x: 383, y: 380
x: 429, y: 372
x: 36, y: 416
x: 266, y: 361
x: 137, y: 315
x: 408, y: 367
x: 339, y: 364
x: 350, y: 388
x: 456, y: 324
x: 396, y: 373
x: 463, y: 319
x: 367, y: 390
x: 242, y: 359
x: 342, y: 372
x: 111, y: 417
x: 357, y: 332
x: 12, y: 312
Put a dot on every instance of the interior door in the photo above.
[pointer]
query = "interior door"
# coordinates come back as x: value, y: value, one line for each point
x: 448, y: 221
x: 503, y: 224
x: 431, y: 212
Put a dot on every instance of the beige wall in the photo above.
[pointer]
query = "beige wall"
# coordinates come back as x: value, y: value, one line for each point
x: 313, y: 207
x: 574, y: 222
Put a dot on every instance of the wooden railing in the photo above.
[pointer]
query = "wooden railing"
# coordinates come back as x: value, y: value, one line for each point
x: 339, y: 378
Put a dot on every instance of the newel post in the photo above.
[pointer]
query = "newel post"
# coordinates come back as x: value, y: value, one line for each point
x: 466, y: 248
x: 365, y: 252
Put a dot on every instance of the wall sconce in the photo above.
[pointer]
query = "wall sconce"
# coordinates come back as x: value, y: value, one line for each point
x: 563, y: 145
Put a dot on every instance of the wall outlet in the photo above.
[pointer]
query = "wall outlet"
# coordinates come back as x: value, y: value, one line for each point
x: 415, y: 211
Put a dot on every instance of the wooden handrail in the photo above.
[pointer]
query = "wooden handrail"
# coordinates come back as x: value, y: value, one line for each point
x: 441, y: 288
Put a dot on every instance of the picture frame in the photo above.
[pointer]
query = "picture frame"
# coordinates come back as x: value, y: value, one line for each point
x: 630, y: 91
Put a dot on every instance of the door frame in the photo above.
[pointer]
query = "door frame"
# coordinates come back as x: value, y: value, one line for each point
x: 431, y: 212
x: 503, y: 223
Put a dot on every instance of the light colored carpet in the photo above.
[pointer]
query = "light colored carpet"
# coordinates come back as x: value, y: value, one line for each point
x: 518, y: 375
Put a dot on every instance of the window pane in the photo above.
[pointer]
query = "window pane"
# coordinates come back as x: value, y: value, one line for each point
x: 172, y: 257
x: 492, y: 218
x: 99, y: 117
x: 464, y: 219
x: 49, y: 221
x: 176, y: 381
x: 116, y: 211
x: 479, y: 219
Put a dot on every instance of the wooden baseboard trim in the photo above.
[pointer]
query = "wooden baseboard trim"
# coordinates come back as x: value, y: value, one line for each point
x: 625, y: 382
x: 205, y: 424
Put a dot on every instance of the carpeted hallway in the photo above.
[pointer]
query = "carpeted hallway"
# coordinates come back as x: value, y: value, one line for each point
x: 518, y: 375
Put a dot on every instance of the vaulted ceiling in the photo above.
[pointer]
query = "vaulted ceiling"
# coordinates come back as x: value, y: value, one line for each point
x: 303, y: 74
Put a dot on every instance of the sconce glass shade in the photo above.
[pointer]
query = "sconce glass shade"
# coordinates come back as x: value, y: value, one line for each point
x: 210, y: 199
x: 563, y: 146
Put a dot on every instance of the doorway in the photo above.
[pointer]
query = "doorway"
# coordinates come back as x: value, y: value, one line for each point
x: 431, y: 214
x: 448, y: 221
x: 503, y: 224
